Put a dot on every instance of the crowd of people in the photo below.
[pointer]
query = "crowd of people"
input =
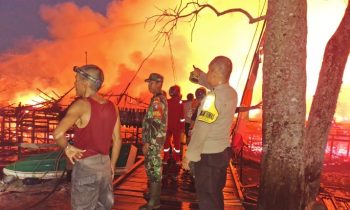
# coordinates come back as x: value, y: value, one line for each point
x: 202, y: 122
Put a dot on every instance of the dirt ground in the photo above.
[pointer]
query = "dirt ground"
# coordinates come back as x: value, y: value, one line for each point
x: 22, y: 197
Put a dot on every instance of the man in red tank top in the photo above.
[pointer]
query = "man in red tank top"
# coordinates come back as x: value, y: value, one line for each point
x: 97, y: 127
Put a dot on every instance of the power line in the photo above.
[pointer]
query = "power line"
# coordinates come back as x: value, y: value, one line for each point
x: 251, y: 44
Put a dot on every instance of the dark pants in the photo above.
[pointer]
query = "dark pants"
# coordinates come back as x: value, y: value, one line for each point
x: 210, y: 179
x: 187, y: 132
x: 92, y: 184
x: 187, y: 128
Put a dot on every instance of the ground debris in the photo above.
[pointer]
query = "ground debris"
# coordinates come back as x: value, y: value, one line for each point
x: 33, y: 196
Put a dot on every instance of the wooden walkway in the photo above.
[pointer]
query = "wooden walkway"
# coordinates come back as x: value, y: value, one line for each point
x: 177, y: 192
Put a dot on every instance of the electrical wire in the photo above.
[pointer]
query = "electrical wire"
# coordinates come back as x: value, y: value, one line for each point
x: 56, y: 185
x: 138, y: 70
x: 172, y: 59
x: 251, y: 44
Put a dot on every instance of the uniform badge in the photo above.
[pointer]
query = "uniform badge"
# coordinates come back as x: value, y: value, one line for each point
x: 208, y: 113
x: 157, y: 108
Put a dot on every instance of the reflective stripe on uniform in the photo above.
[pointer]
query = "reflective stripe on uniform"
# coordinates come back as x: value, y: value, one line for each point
x: 177, y: 151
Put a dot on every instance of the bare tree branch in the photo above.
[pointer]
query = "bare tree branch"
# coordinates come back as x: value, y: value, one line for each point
x: 172, y: 16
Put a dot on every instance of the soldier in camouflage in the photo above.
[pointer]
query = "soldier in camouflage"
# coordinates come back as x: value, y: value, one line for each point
x: 154, y: 128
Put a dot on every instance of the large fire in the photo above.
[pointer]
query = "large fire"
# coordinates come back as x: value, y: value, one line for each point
x: 119, y: 41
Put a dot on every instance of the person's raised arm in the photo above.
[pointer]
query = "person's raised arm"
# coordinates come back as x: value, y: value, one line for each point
x: 201, y: 76
x: 245, y: 109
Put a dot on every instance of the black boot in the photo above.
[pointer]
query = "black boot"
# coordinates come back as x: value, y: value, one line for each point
x: 154, y: 201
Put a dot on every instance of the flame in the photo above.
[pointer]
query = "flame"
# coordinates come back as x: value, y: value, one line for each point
x: 320, y: 28
x: 29, y: 98
x: 337, y: 148
x: 119, y: 41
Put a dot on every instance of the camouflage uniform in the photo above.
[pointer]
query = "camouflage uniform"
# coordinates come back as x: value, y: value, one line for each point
x: 154, y: 128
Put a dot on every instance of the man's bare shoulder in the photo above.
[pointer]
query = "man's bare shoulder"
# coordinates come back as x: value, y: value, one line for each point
x: 80, y: 104
x: 81, y: 101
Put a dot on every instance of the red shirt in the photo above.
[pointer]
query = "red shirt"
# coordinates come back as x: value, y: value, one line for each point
x: 96, y: 136
x: 176, y: 119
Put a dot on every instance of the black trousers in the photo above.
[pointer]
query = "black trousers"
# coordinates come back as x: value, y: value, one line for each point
x: 187, y: 128
x: 210, y: 179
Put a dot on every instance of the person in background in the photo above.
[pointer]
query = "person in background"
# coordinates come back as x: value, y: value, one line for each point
x: 188, y: 112
x: 248, y: 108
x: 97, y: 128
x: 154, y: 128
x: 176, y: 125
x: 209, y: 147
x: 200, y: 94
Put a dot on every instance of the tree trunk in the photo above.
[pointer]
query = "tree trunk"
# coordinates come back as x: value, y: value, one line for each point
x: 284, y: 88
x: 324, y: 105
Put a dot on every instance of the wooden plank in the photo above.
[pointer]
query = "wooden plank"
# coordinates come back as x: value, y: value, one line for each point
x: 177, y: 191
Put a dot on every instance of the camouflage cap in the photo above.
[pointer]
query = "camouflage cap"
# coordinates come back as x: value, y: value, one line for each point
x: 154, y: 77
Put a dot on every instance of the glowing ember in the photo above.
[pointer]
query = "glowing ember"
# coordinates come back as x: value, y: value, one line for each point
x: 338, y: 145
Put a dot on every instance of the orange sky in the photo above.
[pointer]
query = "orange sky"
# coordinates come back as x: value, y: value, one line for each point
x: 119, y: 41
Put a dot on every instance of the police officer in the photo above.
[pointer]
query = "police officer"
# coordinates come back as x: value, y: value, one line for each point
x: 209, y: 147
x: 153, y: 136
x: 176, y: 125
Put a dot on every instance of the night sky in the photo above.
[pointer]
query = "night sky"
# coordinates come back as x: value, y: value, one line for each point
x: 20, y: 19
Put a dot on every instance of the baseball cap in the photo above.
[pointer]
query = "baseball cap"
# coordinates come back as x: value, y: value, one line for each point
x: 154, y: 77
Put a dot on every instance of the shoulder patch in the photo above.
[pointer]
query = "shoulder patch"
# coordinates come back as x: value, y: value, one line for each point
x: 157, y: 108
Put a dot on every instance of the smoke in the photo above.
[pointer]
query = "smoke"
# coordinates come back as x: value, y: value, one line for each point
x: 119, y: 41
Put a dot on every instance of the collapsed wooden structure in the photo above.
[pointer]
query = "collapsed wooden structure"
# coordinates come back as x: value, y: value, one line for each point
x: 34, y: 124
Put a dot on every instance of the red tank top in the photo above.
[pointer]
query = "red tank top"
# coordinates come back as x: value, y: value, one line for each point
x: 96, y: 136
